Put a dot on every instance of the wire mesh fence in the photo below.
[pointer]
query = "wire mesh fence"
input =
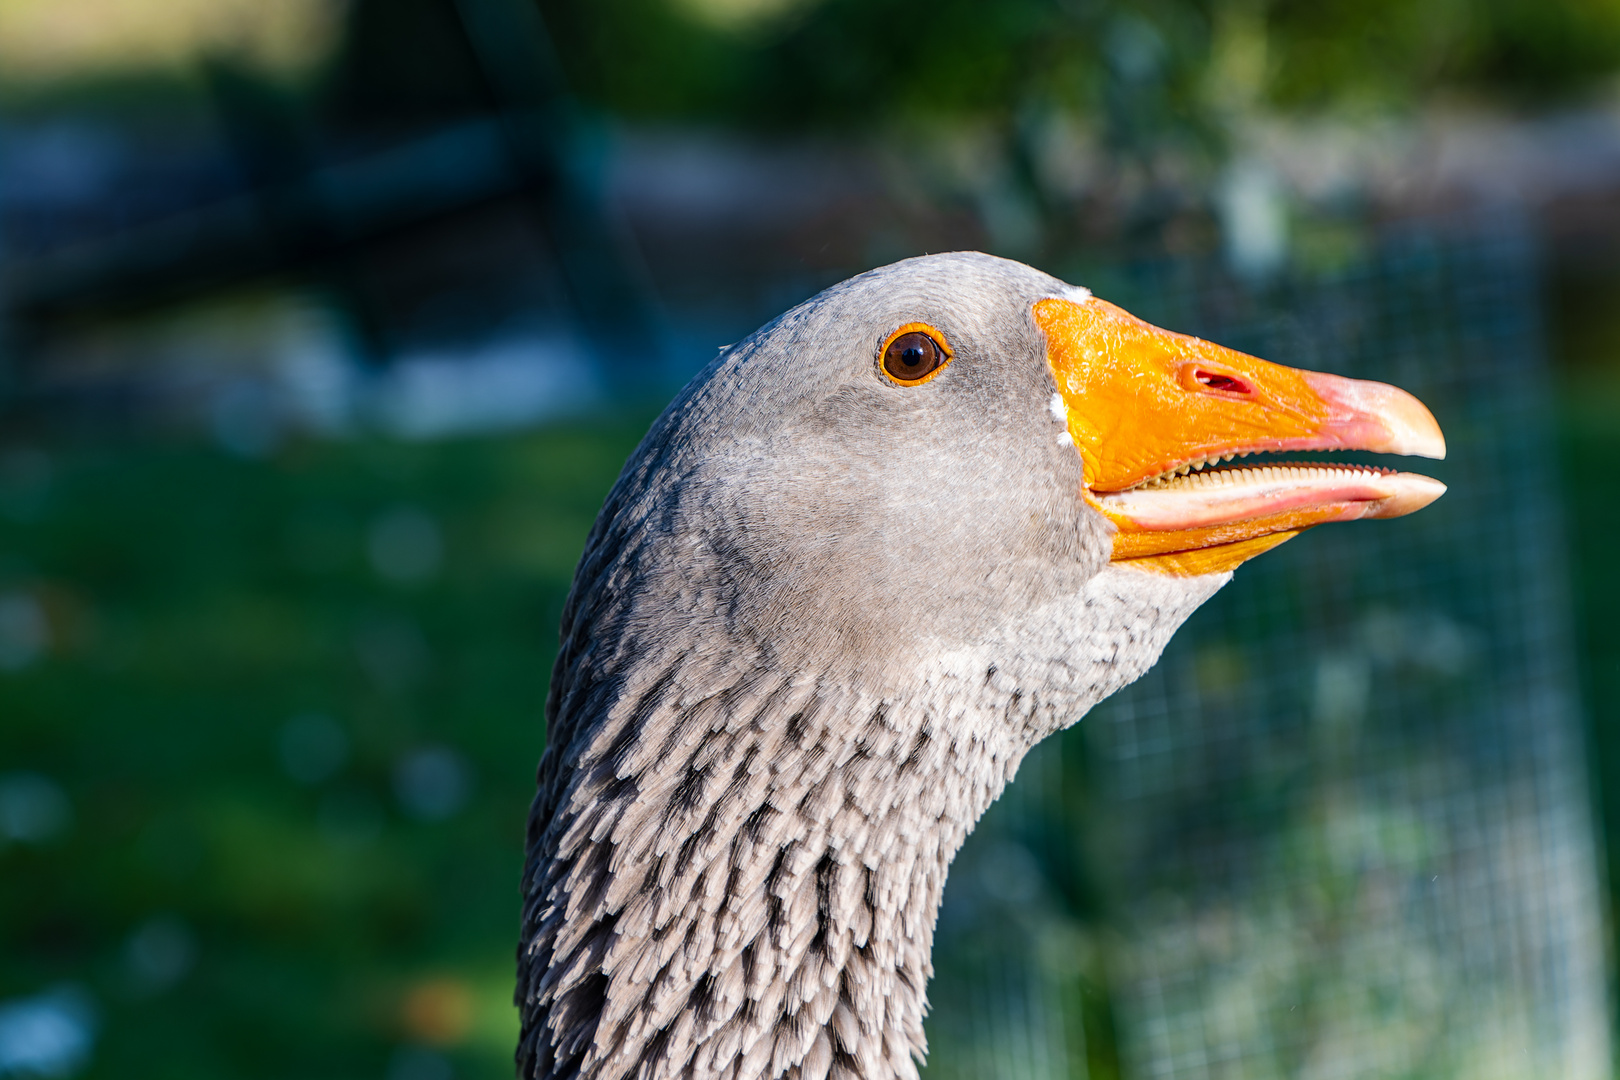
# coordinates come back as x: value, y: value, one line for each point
x: 1343, y: 828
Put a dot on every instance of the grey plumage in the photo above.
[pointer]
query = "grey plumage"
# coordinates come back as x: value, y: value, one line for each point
x: 819, y: 622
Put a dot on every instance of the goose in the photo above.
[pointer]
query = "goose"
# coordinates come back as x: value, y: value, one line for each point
x: 866, y: 559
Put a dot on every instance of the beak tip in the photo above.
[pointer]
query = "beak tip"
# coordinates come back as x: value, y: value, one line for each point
x: 1412, y: 428
x: 1429, y: 444
x: 1407, y: 426
x: 1410, y: 493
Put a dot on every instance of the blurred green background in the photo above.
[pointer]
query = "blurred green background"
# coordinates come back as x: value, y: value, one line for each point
x: 293, y: 707
x: 324, y: 328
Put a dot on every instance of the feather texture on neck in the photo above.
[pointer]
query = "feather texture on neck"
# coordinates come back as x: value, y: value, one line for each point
x: 735, y: 868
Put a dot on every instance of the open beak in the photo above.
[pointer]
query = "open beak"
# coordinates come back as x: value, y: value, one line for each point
x: 1157, y: 415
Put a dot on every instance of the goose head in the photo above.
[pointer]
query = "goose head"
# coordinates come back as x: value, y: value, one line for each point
x: 868, y: 558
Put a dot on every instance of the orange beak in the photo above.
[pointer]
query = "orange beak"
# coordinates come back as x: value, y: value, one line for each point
x: 1152, y: 411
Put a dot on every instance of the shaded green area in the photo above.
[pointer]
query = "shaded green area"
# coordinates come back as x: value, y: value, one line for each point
x: 1590, y: 446
x: 853, y: 61
x: 1148, y: 71
x: 196, y: 603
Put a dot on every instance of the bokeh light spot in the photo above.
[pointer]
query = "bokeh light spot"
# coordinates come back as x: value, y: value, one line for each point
x: 438, y: 1011
x: 313, y: 747
x: 432, y: 783
x: 160, y: 953
x: 24, y: 632
x: 50, y: 1035
x: 405, y: 546
x: 33, y: 808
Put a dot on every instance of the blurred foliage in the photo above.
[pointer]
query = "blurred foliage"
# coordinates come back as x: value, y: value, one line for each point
x: 855, y: 61
x: 406, y: 58
x: 1179, y: 68
x: 1590, y: 445
x: 43, y: 42
x: 246, y: 665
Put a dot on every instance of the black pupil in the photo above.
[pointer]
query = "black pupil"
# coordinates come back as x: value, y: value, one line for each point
x: 911, y: 356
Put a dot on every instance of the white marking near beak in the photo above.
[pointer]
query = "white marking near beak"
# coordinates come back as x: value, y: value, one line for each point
x: 1075, y: 294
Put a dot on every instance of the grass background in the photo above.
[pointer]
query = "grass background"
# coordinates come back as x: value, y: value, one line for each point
x: 196, y: 603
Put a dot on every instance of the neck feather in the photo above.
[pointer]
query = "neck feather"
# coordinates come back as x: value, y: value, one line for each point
x: 734, y: 870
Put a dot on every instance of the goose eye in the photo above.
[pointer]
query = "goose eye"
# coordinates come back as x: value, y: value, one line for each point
x: 914, y: 354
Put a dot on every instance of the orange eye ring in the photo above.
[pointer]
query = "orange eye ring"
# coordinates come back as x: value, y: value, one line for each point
x: 913, y: 353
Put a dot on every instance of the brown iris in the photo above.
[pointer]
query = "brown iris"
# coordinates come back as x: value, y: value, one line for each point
x: 914, y: 353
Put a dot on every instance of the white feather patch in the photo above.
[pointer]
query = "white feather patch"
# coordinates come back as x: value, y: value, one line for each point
x: 1078, y: 294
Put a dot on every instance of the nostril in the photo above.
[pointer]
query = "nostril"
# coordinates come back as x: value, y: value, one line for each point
x: 1221, y: 382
